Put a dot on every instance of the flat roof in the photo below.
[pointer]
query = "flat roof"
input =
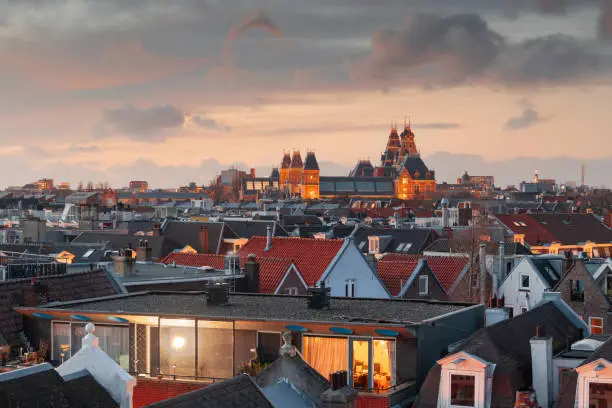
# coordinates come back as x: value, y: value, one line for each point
x: 149, y: 271
x: 261, y: 307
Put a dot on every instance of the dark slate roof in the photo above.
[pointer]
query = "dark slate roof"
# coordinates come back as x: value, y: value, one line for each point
x: 238, y: 392
x: 363, y: 168
x: 42, y: 387
x: 415, y: 164
x: 270, y: 307
x: 511, y: 354
x: 420, y: 238
x: 547, y: 271
x: 361, y: 186
x: 286, y: 163
x: 342, y: 231
x: 70, y: 286
x: 292, y: 220
x: 275, y: 174
x: 251, y: 228
x: 82, y: 390
x: 121, y: 241
x: 298, y: 373
x: 178, y: 234
x: 133, y: 227
x: 296, y: 161
x: 575, y: 228
x: 308, y: 231
x: 311, y: 162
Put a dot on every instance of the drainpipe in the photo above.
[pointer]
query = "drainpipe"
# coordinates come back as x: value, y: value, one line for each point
x: 483, y: 272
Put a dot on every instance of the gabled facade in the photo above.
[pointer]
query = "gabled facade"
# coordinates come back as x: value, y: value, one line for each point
x: 465, y: 380
x: 588, y: 297
x: 524, y: 287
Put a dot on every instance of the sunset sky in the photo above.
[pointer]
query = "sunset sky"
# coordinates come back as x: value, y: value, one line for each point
x: 171, y: 91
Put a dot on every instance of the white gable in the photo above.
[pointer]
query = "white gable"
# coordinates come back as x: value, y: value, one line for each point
x: 105, y: 370
x: 515, y: 295
x: 350, y: 264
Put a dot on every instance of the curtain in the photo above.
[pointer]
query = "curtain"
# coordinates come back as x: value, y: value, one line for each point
x: 384, y: 364
x: 115, y: 341
x: 326, y: 354
x: 61, y: 340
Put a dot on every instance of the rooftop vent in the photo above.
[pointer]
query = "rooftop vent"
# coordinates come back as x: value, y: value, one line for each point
x: 217, y: 294
x: 318, y: 298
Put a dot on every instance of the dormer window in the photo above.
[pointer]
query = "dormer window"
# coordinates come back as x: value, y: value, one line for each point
x: 423, y: 285
x: 374, y: 247
x: 465, y: 381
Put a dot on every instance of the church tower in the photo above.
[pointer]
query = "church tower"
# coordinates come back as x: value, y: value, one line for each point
x: 310, y: 179
x: 296, y: 171
x: 284, y: 168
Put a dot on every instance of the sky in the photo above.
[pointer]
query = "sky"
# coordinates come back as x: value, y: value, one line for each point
x: 171, y: 92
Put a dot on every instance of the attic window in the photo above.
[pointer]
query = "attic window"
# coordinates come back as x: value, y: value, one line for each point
x: 374, y: 247
x: 362, y: 244
x: 400, y: 247
x: 408, y: 246
x: 88, y: 253
x: 462, y: 390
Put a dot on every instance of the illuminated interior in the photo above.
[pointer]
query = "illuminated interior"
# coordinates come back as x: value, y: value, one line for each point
x: 361, y: 363
x: 326, y: 354
x: 384, y: 364
x: 177, y: 347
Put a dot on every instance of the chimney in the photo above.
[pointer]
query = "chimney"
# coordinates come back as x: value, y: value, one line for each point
x: 345, y: 397
x: 482, y: 257
x: 203, y: 239
x: 252, y: 274
x: 268, y: 238
x: 502, y: 256
x: 156, y: 230
x: 541, y: 367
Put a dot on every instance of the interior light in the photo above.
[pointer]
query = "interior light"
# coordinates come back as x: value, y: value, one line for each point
x: 178, y: 342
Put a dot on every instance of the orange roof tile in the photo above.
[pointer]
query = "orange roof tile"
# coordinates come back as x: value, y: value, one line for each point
x: 195, y: 260
x: 395, y: 269
x: 311, y: 256
x: 271, y: 272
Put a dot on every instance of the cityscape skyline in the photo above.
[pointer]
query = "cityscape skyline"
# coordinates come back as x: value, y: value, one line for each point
x: 174, y: 94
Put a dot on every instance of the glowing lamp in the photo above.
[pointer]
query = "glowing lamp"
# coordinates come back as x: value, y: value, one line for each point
x: 178, y: 342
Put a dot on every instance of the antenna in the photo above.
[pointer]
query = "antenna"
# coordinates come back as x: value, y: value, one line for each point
x: 582, y: 174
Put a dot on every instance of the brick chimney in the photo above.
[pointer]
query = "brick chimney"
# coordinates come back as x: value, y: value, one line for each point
x: 541, y: 367
x: 203, y: 239
x: 268, y: 238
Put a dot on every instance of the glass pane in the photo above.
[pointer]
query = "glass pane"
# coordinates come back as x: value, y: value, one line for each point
x: 115, y: 341
x: 384, y: 364
x: 462, y: 390
x: 246, y: 350
x: 61, y: 341
x: 177, y: 347
x: 326, y: 354
x: 215, y: 349
x: 78, y: 332
x: 361, y: 363
x: 268, y: 346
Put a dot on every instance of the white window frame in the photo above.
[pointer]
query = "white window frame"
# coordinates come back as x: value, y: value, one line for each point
x: 591, y: 325
x: 424, y: 278
x: 350, y: 288
x: 292, y: 291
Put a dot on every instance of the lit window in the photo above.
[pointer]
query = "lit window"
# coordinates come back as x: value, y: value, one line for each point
x: 524, y: 281
x: 462, y: 390
x: 596, y: 325
x: 374, y: 245
x: 423, y: 285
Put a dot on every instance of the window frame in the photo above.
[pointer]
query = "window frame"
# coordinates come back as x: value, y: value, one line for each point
x: 424, y: 278
x: 374, y: 249
x: 352, y: 284
x: 450, y: 384
x: 522, y: 286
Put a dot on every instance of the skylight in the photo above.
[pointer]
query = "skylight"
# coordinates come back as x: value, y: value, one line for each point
x: 88, y: 253
x: 408, y: 246
x: 400, y: 247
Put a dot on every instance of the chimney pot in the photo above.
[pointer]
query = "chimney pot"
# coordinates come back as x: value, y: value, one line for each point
x: 268, y: 238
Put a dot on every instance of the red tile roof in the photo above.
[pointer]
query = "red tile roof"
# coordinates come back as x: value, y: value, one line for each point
x: 195, y: 260
x: 535, y: 232
x: 394, y: 273
x: 271, y: 272
x: 394, y: 269
x: 149, y: 391
x: 311, y: 256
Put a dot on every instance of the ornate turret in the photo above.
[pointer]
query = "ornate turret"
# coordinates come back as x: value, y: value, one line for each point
x: 296, y: 171
x: 408, y: 144
x: 310, y: 178
x: 296, y: 160
x: 389, y: 157
x: 284, y: 168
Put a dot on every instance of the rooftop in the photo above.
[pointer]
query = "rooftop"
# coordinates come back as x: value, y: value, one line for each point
x: 264, y: 307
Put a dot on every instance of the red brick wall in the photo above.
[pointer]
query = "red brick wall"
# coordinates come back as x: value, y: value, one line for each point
x: 148, y: 390
x: 365, y: 401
